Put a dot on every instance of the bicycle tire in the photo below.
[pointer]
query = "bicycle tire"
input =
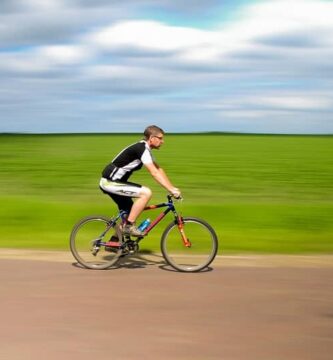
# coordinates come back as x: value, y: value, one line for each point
x: 84, y: 241
x: 201, y: 253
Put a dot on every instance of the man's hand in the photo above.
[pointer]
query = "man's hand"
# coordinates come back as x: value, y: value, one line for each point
x: 176, y: 193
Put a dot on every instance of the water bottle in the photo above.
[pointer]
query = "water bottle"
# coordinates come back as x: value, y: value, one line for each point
x: 143, y: 226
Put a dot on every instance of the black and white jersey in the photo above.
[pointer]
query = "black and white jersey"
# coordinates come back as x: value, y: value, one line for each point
x: 128, y: 160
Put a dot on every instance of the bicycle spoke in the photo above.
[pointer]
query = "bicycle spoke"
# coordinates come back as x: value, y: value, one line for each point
x: 88, y: 243
x: 195, y: 255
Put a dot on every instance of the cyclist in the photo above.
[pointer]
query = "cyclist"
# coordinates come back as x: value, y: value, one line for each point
x: 114, y: 181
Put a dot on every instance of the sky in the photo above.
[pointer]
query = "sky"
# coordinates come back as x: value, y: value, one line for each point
x: 186, y: 65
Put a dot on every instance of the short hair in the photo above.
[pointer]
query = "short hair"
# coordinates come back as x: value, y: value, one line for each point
x: 152, y: 130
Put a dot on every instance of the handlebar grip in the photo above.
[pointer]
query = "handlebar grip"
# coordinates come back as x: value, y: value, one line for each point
x: 173, y: 196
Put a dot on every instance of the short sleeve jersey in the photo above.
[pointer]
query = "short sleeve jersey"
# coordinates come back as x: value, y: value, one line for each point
x: 127, y: 161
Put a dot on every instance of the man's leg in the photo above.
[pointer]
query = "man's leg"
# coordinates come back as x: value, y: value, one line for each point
x: 122, y: 193
x: 139, y: 204
x: 137, y: 208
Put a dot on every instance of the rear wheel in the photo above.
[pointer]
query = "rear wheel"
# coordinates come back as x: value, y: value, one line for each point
x: 87, y: 242
x: 201, y: 252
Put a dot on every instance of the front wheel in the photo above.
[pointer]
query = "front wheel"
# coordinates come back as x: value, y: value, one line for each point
x: 201, y: 250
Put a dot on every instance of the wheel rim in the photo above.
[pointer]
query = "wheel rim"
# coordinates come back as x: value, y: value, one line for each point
x: 196, y: 257
x: 88, y: 237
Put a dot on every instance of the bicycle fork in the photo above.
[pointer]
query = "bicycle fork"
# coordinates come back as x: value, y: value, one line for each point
x: 180, y: 224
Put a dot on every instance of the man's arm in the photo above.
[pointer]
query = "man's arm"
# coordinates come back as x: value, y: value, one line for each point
x: 160, y: 176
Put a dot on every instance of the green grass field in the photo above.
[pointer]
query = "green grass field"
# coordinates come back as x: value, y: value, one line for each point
x: 262, y: 194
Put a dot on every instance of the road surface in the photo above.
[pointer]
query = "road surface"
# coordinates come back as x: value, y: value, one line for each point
x: 260, y: 308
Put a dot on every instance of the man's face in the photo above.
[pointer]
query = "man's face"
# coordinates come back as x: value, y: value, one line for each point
x: 156, y: 141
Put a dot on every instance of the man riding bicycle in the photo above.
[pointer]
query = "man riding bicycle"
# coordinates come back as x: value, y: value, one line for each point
x: 114, y: 181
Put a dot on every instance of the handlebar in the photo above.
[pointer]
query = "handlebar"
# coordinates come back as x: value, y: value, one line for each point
x: 170, y: 196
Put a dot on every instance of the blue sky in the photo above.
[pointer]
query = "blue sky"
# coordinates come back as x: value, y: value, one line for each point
x: 201, y: 65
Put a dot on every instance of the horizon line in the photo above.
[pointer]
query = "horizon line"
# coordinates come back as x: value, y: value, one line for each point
x: 168, y: 133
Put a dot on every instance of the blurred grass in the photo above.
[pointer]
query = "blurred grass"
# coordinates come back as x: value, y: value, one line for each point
x: 261, y: 193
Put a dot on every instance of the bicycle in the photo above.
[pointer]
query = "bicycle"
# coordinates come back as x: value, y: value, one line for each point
x: 188, y: 244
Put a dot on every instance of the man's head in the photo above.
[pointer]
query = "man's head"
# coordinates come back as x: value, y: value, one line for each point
x: 154, y: 136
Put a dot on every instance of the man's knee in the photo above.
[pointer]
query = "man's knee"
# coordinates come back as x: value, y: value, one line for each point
x: 146, y: 192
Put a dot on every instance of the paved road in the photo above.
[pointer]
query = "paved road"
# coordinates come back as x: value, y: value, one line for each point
x: 52, y: 309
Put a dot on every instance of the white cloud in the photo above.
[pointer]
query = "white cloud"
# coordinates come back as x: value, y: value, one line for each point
x: 259, y: 22
x: 64, y: 54
x: 296, y: 102
x: 16, y: 64
x: 43, y: 59
x: 263, y: 101
x: 149, y: 35
x: 41, y: 5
